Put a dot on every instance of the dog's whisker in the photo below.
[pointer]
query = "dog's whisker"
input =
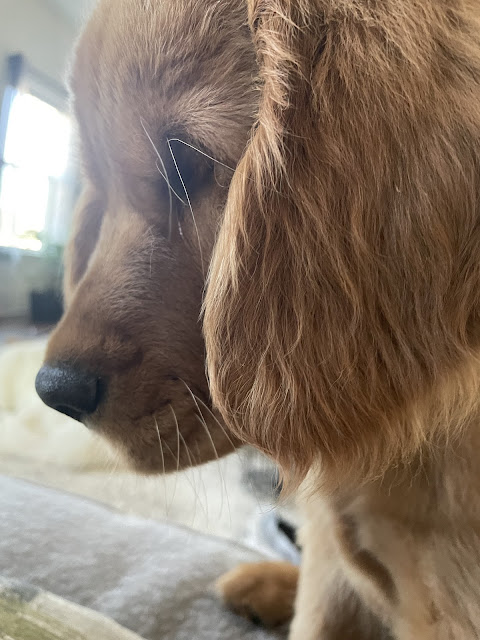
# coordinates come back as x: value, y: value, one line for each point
x: 178, y: 437
x: 152, y: 246
x: 190, y: 207
x: 201, y: 420
x: 113, y: 464
x: 169, y: 449
x: 221, y: 473
x: 192, y: 483
x: 164, y: 175
x: 204, y: 424
x: 235, y: 450
x: 217, y: 421
x: 180, y: 230
x: 191, y: 146
x: 196, y: 400
x: 178, y: 449
x: 174, y: 191
x: 218, y: 162
x: 163, y: 466
x: 200, y: 475
x: 163, y: 172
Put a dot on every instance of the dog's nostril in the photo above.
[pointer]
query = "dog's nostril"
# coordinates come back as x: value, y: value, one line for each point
x: 71, y: 391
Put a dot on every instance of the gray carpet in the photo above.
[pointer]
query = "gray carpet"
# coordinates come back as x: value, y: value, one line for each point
x: 154, y: 578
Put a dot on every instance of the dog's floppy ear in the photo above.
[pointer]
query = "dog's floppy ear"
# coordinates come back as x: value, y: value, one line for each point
x: 341, y: 316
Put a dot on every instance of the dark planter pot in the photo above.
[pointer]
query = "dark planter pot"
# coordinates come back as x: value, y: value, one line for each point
x: 46, y: 307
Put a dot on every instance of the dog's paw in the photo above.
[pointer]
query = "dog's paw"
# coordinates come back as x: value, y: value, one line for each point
x: 262, y: 592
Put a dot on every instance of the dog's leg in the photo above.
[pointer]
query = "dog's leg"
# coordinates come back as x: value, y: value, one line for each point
x: 263, y: 592
x: 327, y: 608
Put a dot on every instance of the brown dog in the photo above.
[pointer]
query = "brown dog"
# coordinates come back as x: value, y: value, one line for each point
x: 342, y: 307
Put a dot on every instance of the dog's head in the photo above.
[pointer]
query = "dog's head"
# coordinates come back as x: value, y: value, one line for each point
x: 164, y: 97
x: 342, y: 308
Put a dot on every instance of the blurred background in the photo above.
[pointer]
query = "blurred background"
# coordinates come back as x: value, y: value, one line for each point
x: 39, y: 179
x: 39, y: 184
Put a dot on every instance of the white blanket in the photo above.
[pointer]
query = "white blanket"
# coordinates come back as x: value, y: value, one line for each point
x: 29, y: 429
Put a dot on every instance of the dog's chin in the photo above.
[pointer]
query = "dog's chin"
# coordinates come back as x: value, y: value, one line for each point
x: 142, y: 462
x: 166, y: 441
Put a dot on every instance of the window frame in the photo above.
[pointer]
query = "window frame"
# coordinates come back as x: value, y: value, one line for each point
x: 21, y: 76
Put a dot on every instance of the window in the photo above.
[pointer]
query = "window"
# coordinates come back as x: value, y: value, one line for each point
x: 34, y: 168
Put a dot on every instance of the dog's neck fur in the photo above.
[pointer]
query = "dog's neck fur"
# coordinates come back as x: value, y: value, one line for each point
x: 409, y: 542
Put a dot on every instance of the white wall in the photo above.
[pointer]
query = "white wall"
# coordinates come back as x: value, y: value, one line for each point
x: 45, y: 37
x: 35, y: 29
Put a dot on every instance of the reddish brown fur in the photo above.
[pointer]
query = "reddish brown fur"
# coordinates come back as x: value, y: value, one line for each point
x: 341, y: 315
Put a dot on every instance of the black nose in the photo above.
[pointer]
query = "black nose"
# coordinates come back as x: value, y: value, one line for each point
x: 71, y: 391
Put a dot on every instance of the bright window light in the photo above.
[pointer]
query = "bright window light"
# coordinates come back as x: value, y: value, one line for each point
x: 36, y: 157
x: 23, y: 206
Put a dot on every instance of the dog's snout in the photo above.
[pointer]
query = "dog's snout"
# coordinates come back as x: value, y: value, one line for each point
x: 69, y: 390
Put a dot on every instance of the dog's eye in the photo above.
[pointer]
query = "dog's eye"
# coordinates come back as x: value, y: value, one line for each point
x: 183, y: 172
x: 189, y: 169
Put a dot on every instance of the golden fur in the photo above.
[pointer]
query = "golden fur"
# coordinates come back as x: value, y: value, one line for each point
x: 341, y: 316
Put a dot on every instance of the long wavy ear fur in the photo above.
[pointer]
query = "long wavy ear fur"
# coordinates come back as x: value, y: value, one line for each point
x: 341, y: 317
